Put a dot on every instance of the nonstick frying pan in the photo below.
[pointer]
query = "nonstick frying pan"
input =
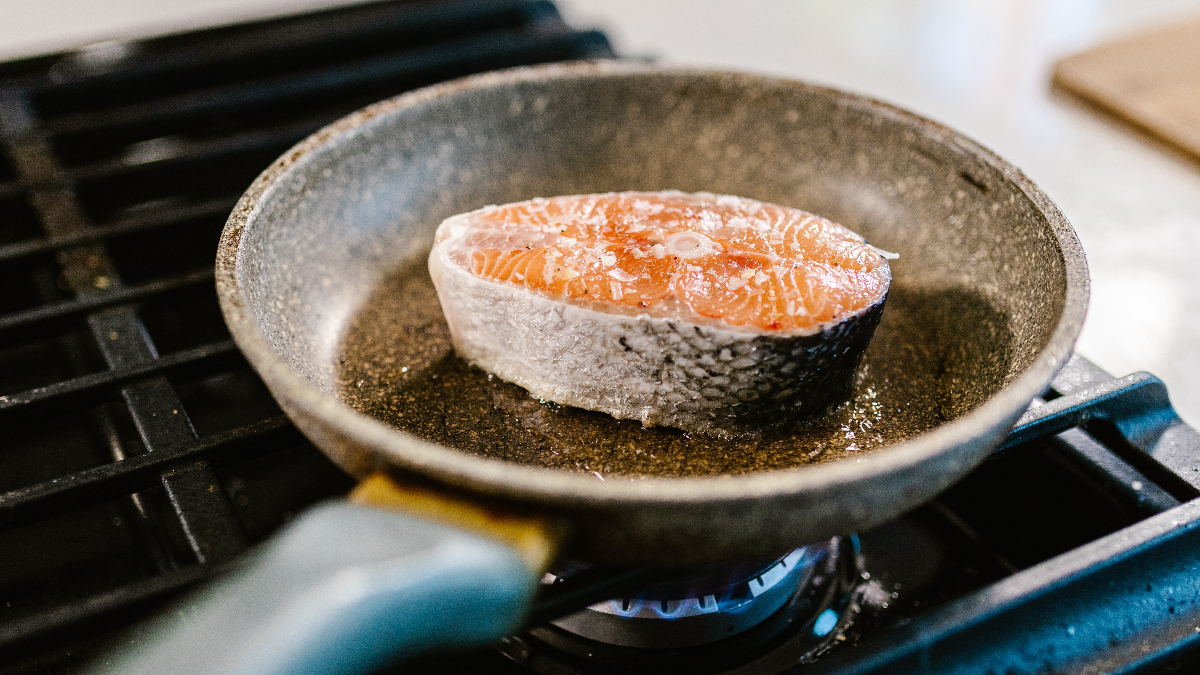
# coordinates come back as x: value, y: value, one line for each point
x: 995, y: 264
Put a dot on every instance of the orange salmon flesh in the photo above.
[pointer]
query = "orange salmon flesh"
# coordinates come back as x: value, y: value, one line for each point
x: 728, y: 259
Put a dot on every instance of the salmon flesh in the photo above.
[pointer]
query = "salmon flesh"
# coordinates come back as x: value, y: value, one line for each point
x: 696, y: 311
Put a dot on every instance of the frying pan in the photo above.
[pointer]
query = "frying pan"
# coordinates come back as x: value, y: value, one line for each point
x: 319, y: 232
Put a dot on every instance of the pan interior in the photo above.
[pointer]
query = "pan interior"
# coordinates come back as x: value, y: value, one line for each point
x: 348, y: 305
x: 397, y: 364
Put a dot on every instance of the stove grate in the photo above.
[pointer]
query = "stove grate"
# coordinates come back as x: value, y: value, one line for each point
x: 139, y: 450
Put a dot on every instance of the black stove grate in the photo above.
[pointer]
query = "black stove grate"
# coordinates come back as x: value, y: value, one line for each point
x: 138, y: 450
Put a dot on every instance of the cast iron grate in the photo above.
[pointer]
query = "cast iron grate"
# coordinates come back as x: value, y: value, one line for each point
x: 137, y: 448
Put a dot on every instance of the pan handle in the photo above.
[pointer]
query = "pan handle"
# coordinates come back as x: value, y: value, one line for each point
x: 347, y: 588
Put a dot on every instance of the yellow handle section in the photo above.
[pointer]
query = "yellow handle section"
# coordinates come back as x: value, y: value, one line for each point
x: 536, y: 538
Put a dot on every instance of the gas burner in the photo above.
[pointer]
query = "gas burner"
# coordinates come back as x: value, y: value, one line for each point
x: 705, y: 608
x: 713, y: 620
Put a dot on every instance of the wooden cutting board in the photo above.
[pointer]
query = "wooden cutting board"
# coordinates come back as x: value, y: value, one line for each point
x: 1151, y: 80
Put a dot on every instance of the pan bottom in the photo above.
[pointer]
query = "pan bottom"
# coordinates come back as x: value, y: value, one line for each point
x: 935, y: 355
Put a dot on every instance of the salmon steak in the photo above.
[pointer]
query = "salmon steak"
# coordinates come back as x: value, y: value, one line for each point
x: 696, y: 311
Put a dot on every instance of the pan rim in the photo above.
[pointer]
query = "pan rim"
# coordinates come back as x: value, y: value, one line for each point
x: 552, y: 486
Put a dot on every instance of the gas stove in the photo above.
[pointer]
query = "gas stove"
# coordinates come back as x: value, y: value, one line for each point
x: 140, y: 455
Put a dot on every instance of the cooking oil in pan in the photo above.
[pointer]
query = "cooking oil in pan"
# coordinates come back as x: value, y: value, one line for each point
x: 934, y: 356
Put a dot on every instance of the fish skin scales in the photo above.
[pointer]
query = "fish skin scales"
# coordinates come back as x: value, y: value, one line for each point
x: 696, y: 311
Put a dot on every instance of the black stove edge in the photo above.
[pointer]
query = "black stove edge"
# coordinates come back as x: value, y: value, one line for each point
x: 1141, y: 422
x: 1132, y: 597
x: 1126, y: 602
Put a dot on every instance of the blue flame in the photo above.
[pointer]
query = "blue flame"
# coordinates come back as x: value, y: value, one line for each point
x: 825, y: 623
x: 671, y: 609
x: 731, y: 599
x: 634, y: 607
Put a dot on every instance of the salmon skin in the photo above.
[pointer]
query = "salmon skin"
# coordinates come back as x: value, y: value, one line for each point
x: 696, y: 311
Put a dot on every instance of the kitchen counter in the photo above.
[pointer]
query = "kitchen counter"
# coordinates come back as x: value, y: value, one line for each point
x: 982, y: 67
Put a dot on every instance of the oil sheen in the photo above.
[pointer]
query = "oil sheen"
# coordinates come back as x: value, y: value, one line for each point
x: 936, y: 355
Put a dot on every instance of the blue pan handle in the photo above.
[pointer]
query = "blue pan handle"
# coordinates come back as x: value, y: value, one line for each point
x: 347, y: 588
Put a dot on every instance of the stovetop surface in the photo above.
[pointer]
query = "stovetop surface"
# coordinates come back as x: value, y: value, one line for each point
x: 139, y: 452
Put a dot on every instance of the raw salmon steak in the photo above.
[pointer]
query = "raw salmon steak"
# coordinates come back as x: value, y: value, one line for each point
x: 697, y: 311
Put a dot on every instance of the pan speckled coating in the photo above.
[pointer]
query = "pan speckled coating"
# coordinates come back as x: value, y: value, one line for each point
x: 326, y: 224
